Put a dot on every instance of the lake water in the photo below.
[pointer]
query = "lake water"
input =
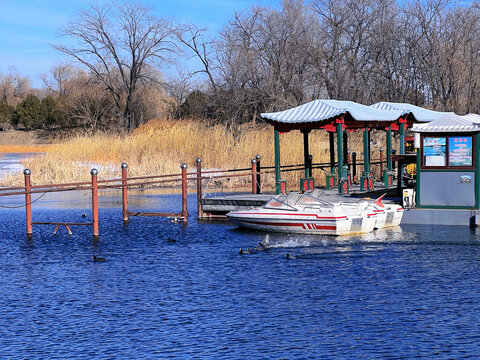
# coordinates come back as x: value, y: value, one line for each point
x: 406, y: 293
x: 10, y: 163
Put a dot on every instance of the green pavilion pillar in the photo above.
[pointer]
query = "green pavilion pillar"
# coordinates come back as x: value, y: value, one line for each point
x: 330, y: 179
x: 417, y: 183
x: 477, y: 170
x: 277, y: 161
x: 388, y: 173
x: 402, y: 127
x: 389, y: 147
x: 340, y: 151
x: 366, y: 176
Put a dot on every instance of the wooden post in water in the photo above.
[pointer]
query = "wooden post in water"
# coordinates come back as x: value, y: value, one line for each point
x: 184, y: 193
x: 94, y: 173
x: 28, y: 202
x: 124, y: 194
x: 199, y: 187
x: 259, y: 188
x: 254, y: 176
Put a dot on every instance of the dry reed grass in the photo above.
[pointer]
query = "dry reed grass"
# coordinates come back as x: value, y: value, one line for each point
x: 160, y: 146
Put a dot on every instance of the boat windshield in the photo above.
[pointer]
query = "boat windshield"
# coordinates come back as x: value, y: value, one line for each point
x: 277, y: 204
x: 309, y: 201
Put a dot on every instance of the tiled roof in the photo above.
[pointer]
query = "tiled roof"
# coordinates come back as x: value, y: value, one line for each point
x: 319, y: 110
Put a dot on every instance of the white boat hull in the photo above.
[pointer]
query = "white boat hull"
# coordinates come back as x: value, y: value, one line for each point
x: 292, y: 223
x: 394, y: 216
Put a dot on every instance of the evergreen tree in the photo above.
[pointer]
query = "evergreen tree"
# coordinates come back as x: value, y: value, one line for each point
x: 6, y: 113
x: 29, y: 113
x: 50, y: 111
x: 194, y: 105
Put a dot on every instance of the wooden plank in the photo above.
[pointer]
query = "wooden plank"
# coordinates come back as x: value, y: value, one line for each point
x: 60, y: 223
x: 152, y: 214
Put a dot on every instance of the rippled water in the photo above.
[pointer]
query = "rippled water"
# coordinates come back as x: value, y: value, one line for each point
x: 410, y: 292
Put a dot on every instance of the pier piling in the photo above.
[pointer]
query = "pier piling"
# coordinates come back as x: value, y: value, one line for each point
x: 28, y: 202
x: 124, y: 193
x: 184, y: 193
x: 254, y: 176
x: 94, y: 173
x: 198, y: 161
x: 259, y: 190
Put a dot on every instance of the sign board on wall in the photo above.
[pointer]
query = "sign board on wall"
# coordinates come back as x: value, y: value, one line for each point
x: 434, y: 151
x: 460, y: 151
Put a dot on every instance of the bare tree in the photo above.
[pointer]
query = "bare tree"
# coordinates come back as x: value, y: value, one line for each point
x: 117, y: 44
x: 13, y: 87
x: 59, y: 76
x: 202, y: 48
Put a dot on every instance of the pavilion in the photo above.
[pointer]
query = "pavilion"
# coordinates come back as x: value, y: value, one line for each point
x: 340, y: 117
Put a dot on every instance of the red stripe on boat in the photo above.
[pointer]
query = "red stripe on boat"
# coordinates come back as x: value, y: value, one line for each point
x: 289, y: 214
x: 318, y: 227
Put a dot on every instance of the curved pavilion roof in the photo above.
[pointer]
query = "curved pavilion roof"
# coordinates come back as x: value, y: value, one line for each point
x: 321, y: 110
x: 420, y: 114
x: 450, y: 123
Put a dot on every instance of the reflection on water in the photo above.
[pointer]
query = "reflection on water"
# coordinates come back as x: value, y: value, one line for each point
x: 407, y: 292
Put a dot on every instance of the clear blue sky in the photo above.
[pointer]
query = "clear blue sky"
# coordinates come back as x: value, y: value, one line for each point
x: 28, y: 27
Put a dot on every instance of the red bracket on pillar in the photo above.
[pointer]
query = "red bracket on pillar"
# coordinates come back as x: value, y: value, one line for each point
x: 330, y: 128
x: 401, y: 122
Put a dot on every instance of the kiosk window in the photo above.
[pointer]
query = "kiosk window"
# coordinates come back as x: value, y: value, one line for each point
x: 434, y: 151
x: 460, y: 151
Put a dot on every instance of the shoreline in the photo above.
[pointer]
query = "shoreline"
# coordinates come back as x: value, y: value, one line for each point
x: 26, y: 138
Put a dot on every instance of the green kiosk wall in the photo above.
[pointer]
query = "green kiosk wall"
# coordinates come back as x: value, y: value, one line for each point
x: 448, y: 171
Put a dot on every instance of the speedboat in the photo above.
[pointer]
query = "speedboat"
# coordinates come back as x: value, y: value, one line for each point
x: 302, y: 213
x: 388, y: 214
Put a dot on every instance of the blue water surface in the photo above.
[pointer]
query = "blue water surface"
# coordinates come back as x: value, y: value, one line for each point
x: 406, y: 293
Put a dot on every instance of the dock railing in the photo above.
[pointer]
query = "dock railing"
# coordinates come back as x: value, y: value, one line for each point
x: 253, y: 174
x: 124, y: 183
